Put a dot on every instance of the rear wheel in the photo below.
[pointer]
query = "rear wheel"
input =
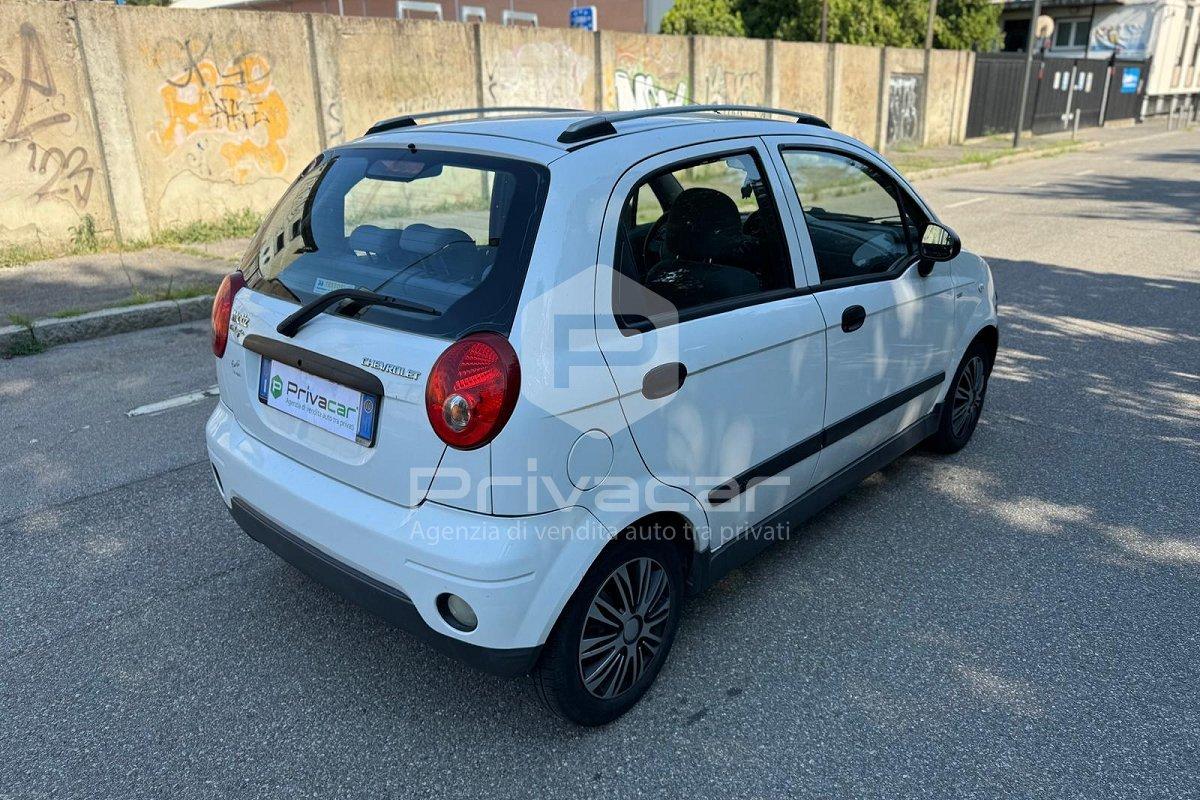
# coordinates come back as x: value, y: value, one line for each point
x: 614, y: 634
x: 964, y: 403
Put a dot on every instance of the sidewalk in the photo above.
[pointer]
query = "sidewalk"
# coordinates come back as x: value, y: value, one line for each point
x: 991, y: 150
x: 72, y: 285
x: 48, y: 302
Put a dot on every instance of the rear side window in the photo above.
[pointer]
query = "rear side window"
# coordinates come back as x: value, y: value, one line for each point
x: 450, y: 231
x: 705, y: 236
x: 857, y: 219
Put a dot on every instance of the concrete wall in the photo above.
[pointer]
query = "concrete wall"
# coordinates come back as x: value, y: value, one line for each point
x: 639, y: 71
x: 369, y: 69
x: 171, y: 116
x: 52, y: 168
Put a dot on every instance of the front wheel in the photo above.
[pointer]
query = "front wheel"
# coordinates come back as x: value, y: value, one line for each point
x: 964, y: 403
x: 614, y: 634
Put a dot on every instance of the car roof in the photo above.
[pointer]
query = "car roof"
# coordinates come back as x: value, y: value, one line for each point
x: 545, y: 129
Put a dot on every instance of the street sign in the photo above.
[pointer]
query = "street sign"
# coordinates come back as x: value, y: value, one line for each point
x: 584, y: 17
x: 1130, y: 77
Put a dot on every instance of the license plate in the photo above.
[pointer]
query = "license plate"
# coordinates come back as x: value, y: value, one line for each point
x: 342, y: 411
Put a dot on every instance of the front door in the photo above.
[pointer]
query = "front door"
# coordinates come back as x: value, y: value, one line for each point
x: 890, y: 319
x: 718, y: 356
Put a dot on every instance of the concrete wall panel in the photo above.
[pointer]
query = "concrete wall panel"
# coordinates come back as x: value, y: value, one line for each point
x: 946, y: 103
x: 51, y: 167
x: 538, y: 67
x: 641, y: 71
x: 371, y: 69
x: 801, y: 75
x: 222, y: 104
x: 730, y: 70
x: 856, y: 110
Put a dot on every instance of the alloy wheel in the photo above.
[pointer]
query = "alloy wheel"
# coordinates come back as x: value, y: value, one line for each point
x: 625, y: 627
x: 968, y: 396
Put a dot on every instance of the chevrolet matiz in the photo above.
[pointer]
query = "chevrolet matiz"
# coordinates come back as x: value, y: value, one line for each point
x: 522, y: 384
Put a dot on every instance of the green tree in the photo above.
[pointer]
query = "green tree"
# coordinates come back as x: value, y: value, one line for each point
x: 704, y: 17
x: 967, y: 24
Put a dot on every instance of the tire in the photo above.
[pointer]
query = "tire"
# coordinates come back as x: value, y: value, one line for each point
x: 638, y: 575
x: 964, y: 402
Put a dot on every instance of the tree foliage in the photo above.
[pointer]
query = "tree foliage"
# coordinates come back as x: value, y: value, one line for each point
x: 704, y: 17
x: 964, y: 24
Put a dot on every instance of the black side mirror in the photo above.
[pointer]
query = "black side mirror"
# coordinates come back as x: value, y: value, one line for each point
x: 939, y: 243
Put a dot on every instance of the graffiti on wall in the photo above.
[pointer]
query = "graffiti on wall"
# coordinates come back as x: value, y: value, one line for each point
x: 642, y: 90
x: 221, y: 110
x: 32, y: 109
x: 540, y: 74
x: 903, y: 111
x: 650, y: 74
x: 719, y: 84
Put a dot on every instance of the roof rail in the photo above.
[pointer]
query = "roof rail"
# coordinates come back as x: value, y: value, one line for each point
x: 602, y: 124
x: 408, y: 120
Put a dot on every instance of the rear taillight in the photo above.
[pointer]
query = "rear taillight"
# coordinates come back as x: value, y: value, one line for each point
x: 222, y: 308
x: 472, y: 390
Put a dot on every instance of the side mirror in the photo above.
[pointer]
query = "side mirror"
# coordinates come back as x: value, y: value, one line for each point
x: 939, y: 243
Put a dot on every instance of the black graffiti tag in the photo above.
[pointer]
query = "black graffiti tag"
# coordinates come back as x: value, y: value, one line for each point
x: 35, y: 79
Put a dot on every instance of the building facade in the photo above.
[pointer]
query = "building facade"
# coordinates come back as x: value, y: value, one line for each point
x: 639, y: 16
x: 1166, y: 33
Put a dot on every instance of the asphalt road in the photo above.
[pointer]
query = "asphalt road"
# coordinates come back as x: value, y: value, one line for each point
x: 1019, y: 620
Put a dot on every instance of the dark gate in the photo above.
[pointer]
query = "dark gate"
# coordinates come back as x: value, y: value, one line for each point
x: 996, y: 93
x: 1126, y: 89
x: 1058, y: 87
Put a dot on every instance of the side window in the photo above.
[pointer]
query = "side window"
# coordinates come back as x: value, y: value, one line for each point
x: 857, y: 219
x: 700, y: 233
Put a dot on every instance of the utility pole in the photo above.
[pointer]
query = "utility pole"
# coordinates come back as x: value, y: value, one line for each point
x: 929, y: 27
x: 824, y: 21
x: 1037, y: 11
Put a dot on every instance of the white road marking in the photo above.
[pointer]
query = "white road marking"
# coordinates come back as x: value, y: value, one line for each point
x: 1039, y: 183
x: 965, y: 202
x: 1085, y: 172
x: 173, y: 402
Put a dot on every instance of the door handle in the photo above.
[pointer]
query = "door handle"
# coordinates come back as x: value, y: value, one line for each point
x: 853, y: 318
x: 663, y: 380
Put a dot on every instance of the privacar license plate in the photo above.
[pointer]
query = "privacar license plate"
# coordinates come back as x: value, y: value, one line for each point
x: 342, y: 411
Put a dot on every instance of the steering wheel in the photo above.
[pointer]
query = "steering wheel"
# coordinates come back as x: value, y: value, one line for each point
x: 654, y: 246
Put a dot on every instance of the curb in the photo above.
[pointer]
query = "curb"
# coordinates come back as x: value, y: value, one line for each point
x: 105, y: 322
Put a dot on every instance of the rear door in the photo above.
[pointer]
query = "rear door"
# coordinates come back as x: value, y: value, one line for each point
x: 401, y: 461
x: 716, y: 348
x: 889, y: 327
x: 446, y: 232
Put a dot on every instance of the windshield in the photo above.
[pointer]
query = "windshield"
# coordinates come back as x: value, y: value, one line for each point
x: 447, y: 231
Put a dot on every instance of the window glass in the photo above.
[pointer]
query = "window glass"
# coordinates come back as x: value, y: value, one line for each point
x: 450, y: 231
x: 699, y: 234
x: 856, y: 222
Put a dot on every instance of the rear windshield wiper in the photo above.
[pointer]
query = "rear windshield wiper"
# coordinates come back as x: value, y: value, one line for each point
x: 359, y: 297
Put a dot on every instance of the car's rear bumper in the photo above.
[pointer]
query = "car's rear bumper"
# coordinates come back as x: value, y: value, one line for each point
x: 385, y: 601
x: 515, y: 572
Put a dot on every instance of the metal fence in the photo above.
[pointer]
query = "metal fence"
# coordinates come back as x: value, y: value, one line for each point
x: 1063, y: 92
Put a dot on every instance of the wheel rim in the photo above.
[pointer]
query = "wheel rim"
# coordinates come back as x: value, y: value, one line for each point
x: 968, y: 396
x: 625, y: 627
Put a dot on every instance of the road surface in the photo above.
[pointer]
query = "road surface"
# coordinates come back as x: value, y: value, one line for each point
x: 1017, y: 620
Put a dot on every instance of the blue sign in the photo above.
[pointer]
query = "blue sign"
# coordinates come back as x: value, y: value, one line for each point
x: 584, y: 17
x: 1130, y: 79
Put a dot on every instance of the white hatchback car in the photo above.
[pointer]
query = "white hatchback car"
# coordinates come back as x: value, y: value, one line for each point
x: 520, y: 385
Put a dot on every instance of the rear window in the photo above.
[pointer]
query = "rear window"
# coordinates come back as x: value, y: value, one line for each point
x: 451, y: 231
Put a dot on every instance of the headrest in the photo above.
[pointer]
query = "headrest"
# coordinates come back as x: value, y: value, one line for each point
x: 373, y: 239
x: 425, y: 239
x: 701, y: 223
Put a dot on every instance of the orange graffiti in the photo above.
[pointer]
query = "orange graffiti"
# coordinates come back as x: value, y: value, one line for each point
x: 238, y: 105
